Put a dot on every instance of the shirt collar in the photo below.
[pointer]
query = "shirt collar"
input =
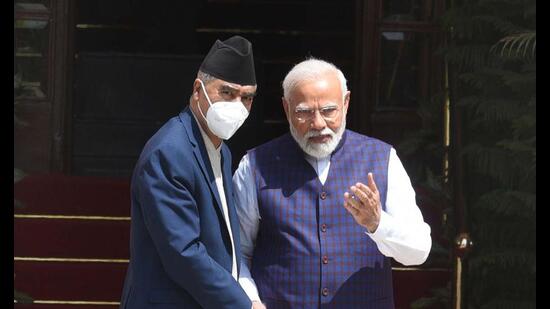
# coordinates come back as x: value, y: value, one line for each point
x: 316, y: 160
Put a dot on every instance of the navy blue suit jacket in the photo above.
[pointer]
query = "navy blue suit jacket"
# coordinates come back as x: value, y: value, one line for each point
x: 180, y: 250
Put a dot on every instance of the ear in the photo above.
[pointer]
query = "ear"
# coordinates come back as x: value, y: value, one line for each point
x: 196, y: 89
x: 346, y: 100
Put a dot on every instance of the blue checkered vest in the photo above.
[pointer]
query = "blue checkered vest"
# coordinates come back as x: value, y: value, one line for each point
x: 310, y: 252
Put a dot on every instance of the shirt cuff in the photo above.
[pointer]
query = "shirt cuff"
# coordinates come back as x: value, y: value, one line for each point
x: 249, y: 288
x: 384, y: 228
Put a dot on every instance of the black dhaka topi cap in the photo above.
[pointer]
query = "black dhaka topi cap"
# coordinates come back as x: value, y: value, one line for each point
x: 231, y: 61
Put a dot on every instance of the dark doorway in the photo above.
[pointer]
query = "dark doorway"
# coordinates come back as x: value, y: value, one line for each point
x: 135, y: 62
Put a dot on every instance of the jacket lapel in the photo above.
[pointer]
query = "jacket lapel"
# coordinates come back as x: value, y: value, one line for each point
x: 200, y: 153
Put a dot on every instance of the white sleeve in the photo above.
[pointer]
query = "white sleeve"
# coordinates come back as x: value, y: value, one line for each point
x: 249, y: 219
x: 402, y: 232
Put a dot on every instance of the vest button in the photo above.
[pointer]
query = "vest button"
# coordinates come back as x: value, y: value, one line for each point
x: 325, y: 259
x: 323, y: 227
x: 325, y: 292
x: 323, y: 195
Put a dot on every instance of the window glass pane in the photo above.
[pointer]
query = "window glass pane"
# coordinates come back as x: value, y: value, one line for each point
x: 31, y: 26
x: 399, y: 68
x: 403, y: 10
x: 44, y: 2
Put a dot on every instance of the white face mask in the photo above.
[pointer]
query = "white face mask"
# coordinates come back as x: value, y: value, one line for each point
x: 224, y: 118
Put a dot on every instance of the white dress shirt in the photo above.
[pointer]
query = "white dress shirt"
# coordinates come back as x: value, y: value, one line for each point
x: 214, y: 154
x: 401, y: 234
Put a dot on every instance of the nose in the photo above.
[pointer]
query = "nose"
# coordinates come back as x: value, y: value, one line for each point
x: 318, y: 122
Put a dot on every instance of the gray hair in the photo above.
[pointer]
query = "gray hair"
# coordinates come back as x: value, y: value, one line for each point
x: 309, y: 70
x: 205, y: 77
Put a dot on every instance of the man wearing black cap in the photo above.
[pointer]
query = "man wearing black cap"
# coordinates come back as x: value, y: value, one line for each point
x: 185, y: 234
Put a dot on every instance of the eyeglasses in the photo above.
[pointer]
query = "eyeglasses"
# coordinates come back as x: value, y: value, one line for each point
x: 329, y: 113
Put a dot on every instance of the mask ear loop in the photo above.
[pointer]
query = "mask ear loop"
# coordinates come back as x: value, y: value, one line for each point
x: 207, y: 99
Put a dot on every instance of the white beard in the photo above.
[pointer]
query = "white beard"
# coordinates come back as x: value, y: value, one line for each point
x: 319, y: 150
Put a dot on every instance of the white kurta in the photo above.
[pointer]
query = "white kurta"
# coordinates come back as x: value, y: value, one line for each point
x: 214, y: 154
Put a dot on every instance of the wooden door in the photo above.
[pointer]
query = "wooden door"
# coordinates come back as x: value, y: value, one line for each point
x: 396, y: 65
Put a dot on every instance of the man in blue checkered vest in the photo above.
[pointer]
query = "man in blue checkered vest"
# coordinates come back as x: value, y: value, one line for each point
x: 322, y: 209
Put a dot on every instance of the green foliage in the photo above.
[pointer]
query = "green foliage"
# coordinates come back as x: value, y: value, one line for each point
x: 518, y: 45
x: 519, y: 204
x: 498, y: 103
x: 492, y: 55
